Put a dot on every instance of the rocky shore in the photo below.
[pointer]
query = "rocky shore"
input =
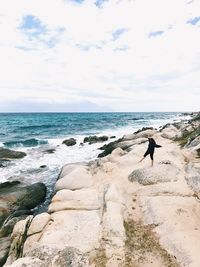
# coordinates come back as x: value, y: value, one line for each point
x: 117, y: 212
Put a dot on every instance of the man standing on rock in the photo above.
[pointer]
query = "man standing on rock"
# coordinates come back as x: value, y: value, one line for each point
x: 150, y: 150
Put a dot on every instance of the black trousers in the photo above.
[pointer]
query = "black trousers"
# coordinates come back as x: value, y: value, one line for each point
x: 149, y: 152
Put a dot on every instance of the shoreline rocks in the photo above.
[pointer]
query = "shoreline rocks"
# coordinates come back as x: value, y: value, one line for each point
x: 117, y: 212
x: 69, y: 142
x: 16, y: 202
x: 95, y: 139
x: 6, y: 154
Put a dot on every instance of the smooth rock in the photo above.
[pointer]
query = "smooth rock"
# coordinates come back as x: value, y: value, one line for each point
x: 157, y: 174
x: 76, y: 179
x: 27, y: 262
x: 38, y: 223
x: 79, y: 229
x: 66, y: 169
x: 84, y: 199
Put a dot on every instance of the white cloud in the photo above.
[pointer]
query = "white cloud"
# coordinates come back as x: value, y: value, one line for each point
x: 76, y: 58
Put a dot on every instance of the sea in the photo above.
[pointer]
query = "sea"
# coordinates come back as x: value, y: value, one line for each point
x: 34, y: 133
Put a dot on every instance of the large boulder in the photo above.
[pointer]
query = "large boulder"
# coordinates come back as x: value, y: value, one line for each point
x: 84, y: 199
x: 14, y: 196
x: 11, y: 154
x: 161, y: 173
x: 69, y: 142
x: 78, y: 178
x: 75, y: 228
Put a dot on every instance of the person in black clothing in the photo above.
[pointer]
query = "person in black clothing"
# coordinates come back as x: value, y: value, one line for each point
x: 150, y: 150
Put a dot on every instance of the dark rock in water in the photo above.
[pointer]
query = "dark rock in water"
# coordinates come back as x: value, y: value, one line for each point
x: 69, y: 142
x: 49, y: 151
x: 4, y: 249
x: 81, y: 144
x: 143, y: 129
x: 113, y: 136
x: 4, y: 162
x: 14, y: 196
x: 43, y: 166
x: 11, y: 154
x: 95, y: 139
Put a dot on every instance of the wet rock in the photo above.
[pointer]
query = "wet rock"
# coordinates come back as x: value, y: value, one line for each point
x: 112, y: 137
x: 69, y: 142
x: 95, y: 139
x: 14, y: 196
x: 4, y: 163
x: 49, y: 151
x: 11, y: 154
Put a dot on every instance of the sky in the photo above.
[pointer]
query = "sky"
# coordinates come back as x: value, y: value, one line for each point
x: 99, y: 55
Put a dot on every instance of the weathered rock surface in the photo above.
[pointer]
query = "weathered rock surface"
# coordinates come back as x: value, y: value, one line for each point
x: 46, y: 257
x: 38, y: 223
x: 11, y: 154
x: 69, y: 142
x: 18, y: 238
x: 76, y: 179
x: 84, y: 199
x: 148, y: 176
x: 117, y: 212
x: 4, y: 249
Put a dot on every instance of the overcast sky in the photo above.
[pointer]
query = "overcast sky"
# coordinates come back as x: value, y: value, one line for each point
x: 85, y: 55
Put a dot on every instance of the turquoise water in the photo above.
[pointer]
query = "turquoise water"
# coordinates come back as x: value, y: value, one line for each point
x: 33, y: 129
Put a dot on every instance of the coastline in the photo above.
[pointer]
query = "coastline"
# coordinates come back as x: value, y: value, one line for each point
x: 104, y: 208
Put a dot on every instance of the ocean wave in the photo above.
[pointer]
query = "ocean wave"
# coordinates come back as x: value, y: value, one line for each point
x: 136, y: 119
x: 35, y: 127
x: 25, y: 143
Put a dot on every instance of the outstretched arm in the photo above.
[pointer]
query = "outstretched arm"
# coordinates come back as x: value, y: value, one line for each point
x: 157, y: 145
